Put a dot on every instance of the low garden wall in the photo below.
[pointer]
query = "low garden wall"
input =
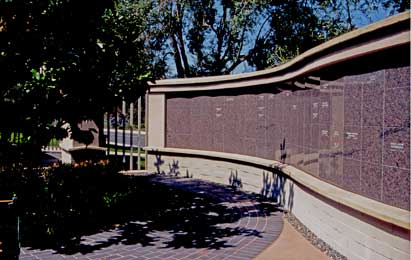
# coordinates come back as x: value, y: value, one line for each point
x: 326, y: 135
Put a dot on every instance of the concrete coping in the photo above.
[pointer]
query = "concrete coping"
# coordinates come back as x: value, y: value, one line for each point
x: 83, y: 147
x: 375, y: 209
x: 348, y: 46
x: 136, y: 173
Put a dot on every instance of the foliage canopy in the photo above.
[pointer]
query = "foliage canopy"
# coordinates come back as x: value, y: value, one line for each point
x: 63, y: 61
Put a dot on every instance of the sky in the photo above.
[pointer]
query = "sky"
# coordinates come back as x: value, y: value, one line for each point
x: 358, y: 18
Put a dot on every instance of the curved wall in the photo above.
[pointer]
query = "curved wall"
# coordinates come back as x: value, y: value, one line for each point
x: 353, y: 233
x: 352, y: 131
x: 327, y: 135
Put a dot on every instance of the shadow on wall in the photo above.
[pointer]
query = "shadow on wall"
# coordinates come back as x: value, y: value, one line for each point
x: 174, y: 168
x: 274, y: 189
x: 273, y: 182
x: 283, y: 152
x: 235, y: 181
x: 158, y: 164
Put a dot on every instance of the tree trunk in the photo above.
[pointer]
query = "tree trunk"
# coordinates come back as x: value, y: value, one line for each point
x: 177, y: 57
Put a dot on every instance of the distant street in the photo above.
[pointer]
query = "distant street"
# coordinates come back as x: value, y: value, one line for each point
x: 136, y: 142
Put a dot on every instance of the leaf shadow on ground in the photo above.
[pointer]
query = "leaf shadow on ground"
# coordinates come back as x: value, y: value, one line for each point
x: 194, y: 214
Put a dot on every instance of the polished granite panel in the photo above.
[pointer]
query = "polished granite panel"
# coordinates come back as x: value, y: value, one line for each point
x: 197, y: 131
x: 172, y: 121
x: 372, y: 104
x: 271, y: 141
x: 207, y: 125
x: 337, y: 160
x: 299, y: 135
x: 183, y: 140
x: 290, y: 132
x: 250, y: 144
x: 397, y: 77
x: 278, y: 141
x: 351, y: 178
x: 170, y: 140
x: 311, y: 162
x: 315, y: 106
x: 261, y: 116
x: 346, y: 132
x: 396, y: 187
x: 307, y: 136
x: 324, y: 106
x: 300, y: 97
x: 198, y: 103
x: 337, y: 106
x: 315, y: 137
x: 352, y: 103
x: 261, y: 150
x: 272, y: 129
x: 307, y: 112
x: 372, y: 144
x: 279, y: 108
x: 292, y: 155
x: 324, y: 164
x: 330, y: 167
x: 218, y: 123
x: 241, y: 110
x: 352, y: 142
x: 336, y: 138
x: 369, y: 77
x: 232, y: 120
x: 397, y: 107
x: 251, y: 116
x: 371, y: 180
x: 397, y: 147
x: 324, y: 145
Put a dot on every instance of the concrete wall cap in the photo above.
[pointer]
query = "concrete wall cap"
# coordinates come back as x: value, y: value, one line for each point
x: 375, y: 209
x: 288, y: 71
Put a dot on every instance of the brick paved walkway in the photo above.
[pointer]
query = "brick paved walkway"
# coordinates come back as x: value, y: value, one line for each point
x: 236, y: 227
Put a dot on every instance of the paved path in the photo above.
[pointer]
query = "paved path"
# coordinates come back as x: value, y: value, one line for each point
x: 245, y: 229
x: 291, y: 245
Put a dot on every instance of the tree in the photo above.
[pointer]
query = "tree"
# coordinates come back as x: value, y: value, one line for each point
x: 216, y: 37
x: 63, y: 61
x: 207, y: 37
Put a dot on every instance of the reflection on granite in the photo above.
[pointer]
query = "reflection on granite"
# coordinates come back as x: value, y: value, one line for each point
x: 346, y: 131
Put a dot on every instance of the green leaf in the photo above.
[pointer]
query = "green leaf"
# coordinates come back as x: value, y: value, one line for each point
x: 145, y: 76
x: 100, y: 44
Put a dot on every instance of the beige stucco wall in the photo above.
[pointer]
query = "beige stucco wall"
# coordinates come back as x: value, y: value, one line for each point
x: 156, y: 120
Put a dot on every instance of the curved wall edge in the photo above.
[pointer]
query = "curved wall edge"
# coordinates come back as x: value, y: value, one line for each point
x: 369, y: 207
x: 352, y: 233
x: 345, y: 47
x: 337, y: 116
